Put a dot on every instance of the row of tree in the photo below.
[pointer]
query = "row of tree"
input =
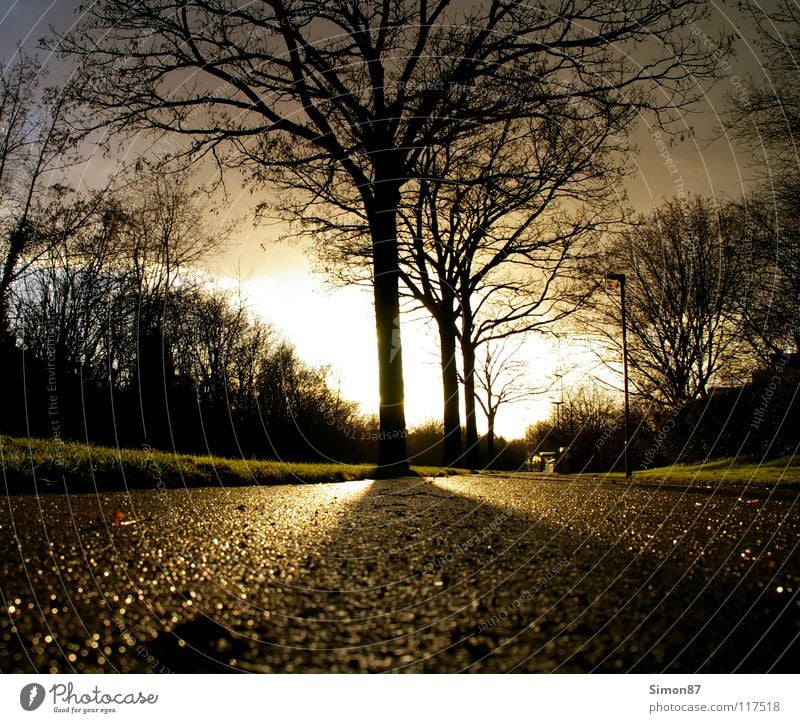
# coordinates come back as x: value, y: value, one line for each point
x: 713, y: 291
x: 115, y: 338
x: 107, y: 331
x: 713, y: 301
x: 464, y: 158
x: 465, y: 151
x: 712, y: 296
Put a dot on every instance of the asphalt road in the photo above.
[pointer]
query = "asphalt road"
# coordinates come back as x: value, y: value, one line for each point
x: 464, y: 574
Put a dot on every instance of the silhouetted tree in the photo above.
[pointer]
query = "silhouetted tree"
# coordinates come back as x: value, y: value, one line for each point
x: 766, y: 112
x: 769, y: 304
x: 490, y: 248
x: 218, y: 351
x: 64, y: 299
x: 99, y: 301
x: 684, y: 280
x: 501, y: 378
x: 485, y: 245
x: 36, y: 136
x: 766, y: 116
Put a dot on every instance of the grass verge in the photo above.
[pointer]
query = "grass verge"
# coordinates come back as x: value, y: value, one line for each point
x: 51, y: 465
x: 783, y: 471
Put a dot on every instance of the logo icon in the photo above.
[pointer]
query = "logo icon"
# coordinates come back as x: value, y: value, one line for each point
x: 31, y: 696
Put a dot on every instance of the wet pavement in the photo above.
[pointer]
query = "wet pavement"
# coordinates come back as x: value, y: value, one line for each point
x: 471, y: 574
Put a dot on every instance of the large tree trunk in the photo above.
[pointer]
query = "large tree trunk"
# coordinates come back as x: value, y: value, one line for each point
x: 451, y: 451
x: 468, y: 356
x: 392, y: 457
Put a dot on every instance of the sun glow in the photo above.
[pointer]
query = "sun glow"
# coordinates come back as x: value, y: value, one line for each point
x: 336, y: 327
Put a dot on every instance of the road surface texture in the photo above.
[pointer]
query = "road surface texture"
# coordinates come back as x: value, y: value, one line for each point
x: 475, y: 574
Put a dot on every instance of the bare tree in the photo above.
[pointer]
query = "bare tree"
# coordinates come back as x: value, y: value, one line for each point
x: 341, y: 99
x: 35, y: 138
x: 501, y: 378
x: 166, y: 227
x: 766, y: 116
x: 216, y: 345
x: 165, y: 231
x: 766, y: 113
x: 488, y: 247
x: 769, y: 314
x: 64, y: 300
x: 684, y: 279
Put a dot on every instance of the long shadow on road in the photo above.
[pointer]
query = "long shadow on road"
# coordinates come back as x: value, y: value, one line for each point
x: 463, y: 574
x: 486, y: 576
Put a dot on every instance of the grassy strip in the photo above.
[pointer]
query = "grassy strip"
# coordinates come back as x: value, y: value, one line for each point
x: 784, y: 471
x: 45, y: 465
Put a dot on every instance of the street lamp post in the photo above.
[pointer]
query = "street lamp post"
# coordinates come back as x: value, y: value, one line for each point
x: 626, y: 451
x: 557, y: 405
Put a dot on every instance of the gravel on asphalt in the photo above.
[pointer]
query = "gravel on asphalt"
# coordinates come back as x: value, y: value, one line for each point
x: 474, y: 574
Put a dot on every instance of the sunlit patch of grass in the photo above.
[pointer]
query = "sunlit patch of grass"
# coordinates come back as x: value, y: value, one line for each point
x: 784, y: 470
x: 30, y: 465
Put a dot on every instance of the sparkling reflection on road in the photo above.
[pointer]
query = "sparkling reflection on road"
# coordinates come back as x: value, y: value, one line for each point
x: 470, y: 573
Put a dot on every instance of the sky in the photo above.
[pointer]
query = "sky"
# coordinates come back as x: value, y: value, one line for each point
x: 336, y: 326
